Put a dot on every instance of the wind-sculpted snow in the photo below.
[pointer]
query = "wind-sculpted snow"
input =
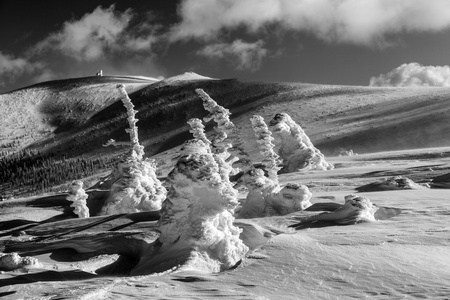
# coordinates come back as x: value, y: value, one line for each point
x: 356, y: 209
x: 364, y: 207
x: 196, y: 224
x: 392, y: 183
x: 78, y: 197
x: 442, y: 181
x: 297, y: 150
x: 13, y: 261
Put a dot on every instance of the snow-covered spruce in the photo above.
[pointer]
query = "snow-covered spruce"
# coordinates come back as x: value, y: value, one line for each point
x: 297, y: 150
x: 227, y: 143
x: 198, y: 131
x: 222, y: 157
x: 196, y: 224
x: 78, y: 197
x: 266, y: 198
x: 137, y: 149
x: 271, y: 160
x: 135, y: 186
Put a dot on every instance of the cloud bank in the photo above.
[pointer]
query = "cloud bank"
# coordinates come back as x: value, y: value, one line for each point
x: 96, y: 34
x: 105, y: 39
x: 15, y: 66
x: 414, y: 75
x: 121, y: 41
x: 361, y: 22
x: 242, y: 55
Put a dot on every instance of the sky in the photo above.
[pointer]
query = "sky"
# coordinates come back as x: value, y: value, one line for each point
x: 350, y: 42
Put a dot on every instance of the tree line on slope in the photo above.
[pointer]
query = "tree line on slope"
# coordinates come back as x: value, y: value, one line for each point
x: 30, y: 172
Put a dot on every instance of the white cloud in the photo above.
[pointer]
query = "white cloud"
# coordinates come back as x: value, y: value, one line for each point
x: 12, y: 67
x: 413, y: 75
x: 243, y: 55
x: 364, y: 22
x: 107, y: 39
x: 45, y: 75
x: 15, y: 65
x: 97, y: 33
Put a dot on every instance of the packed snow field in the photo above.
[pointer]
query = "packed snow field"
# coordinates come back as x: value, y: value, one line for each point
x: 295, y: 224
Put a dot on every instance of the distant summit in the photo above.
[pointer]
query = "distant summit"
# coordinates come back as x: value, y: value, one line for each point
x: 187, y: 76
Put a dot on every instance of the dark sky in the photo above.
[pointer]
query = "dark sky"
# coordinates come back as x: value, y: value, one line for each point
x: 321, y: 41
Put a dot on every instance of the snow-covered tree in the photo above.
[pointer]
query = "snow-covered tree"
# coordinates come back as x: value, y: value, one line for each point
x: 297, y: 150
x: 78, y: 197
x: 265, y: 196
x: 196, y: 224
x: 135, y: 186
x: 198, y: 131
x: 227, y: 141
x: 137, y: 150
x: 271, y: 160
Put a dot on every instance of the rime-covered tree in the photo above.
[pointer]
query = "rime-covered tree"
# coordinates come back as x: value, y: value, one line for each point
x: 227, y: 142
x: 137, y: 150
x: 198, y: 131
x: 265, y: 196
x: 224, y: 164
x: 196, y: 224
x: 271, y: 160
x: 78, y: 197
x: 297, y: 150
x: 135, y: 186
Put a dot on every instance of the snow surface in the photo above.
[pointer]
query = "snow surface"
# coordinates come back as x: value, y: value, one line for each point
x: 405, y: 256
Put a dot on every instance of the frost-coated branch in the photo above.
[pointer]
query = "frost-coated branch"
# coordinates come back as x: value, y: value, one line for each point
x: 198, y: 131
x: 114, y: 143
x: 78, y: 197
x: 137, y: 150
x: 271, y: 160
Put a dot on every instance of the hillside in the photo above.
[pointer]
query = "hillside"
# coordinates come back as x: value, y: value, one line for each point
x: 78, y: 116
x: 41, y: 111
x: 74, y: 118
